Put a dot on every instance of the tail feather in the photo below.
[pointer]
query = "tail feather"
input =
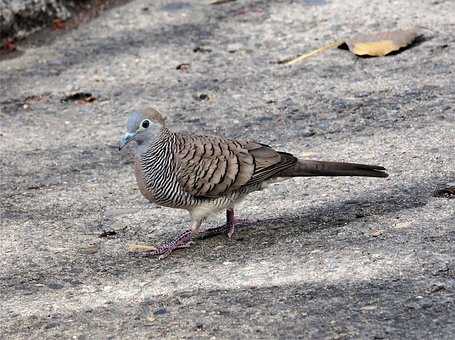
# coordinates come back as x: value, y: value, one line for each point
x: 307, y: 168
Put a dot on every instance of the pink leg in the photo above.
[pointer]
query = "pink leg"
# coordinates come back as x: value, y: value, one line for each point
x: 165, y: 249
x: 229, y: 227
x: 230, y: 222
x: 184, y: 240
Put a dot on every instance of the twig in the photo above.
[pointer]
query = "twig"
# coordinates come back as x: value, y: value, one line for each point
x: 302, y: 57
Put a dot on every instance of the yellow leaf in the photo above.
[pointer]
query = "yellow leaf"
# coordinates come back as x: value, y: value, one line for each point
x: 140, y: 248
x: 381, y: 44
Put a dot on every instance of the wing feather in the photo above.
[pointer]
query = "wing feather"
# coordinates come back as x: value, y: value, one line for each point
x: 211, y: 166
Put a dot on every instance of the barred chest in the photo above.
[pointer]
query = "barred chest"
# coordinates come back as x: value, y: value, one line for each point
x: 141, y: 182
x: 158, y: 184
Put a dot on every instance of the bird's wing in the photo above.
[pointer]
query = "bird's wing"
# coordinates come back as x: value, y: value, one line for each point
x: 211, y: 166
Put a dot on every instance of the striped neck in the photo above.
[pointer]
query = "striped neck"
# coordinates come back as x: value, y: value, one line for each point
x: 158, y: 156
x: 153, y: 144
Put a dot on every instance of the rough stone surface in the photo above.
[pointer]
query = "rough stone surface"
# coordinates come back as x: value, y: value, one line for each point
x: 19, y: 18
x: 343, y: 258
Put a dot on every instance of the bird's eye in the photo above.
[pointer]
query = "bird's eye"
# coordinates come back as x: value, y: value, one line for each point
x: 145, y: 123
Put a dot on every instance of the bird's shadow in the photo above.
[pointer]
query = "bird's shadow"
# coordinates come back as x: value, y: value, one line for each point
x: 335, y: 214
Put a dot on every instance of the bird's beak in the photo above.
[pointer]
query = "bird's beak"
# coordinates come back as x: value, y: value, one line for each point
x: 128, y: 137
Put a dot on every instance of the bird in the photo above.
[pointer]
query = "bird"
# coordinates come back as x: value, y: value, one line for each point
x: 206, y: 174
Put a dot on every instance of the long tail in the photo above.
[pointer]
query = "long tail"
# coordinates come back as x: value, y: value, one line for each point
x: 304, y: 168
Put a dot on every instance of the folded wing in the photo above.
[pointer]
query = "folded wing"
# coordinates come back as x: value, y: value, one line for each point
x: 211, y: 166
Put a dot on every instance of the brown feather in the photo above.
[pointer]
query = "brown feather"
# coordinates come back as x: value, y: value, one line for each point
x: 211, y: 166
x: 309, y: 168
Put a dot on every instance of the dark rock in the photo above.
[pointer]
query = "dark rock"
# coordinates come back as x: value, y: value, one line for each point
x: 160, y: 311
x: 55, y: 285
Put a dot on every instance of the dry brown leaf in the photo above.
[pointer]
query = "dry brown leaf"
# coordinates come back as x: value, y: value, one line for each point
x: 140, y: 248
x: 9, y: 45
x: 58, y: 24
x: 447, y: 192
x: 81, y: 97
x: 381, y: 44
x: 373, y: 44
x: 376, y: 232
x: 89, y: 250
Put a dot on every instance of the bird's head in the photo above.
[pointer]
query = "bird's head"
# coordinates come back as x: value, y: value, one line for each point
x: 142, y: 127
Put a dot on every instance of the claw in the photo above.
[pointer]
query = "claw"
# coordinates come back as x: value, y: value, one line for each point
x: 164, y: 255
x: 231, y: 231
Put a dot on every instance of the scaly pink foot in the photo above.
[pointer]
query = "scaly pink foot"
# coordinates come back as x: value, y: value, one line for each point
x: 164, y: 250
x: 184, y: 240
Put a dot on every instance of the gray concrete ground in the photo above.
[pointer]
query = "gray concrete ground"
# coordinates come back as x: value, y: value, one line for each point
x: 343, y: 258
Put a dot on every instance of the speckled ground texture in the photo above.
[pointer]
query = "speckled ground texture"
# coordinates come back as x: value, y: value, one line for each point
x: 344, y: 258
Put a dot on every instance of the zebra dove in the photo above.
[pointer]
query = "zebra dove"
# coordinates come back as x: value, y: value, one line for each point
x: 208, y: 174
